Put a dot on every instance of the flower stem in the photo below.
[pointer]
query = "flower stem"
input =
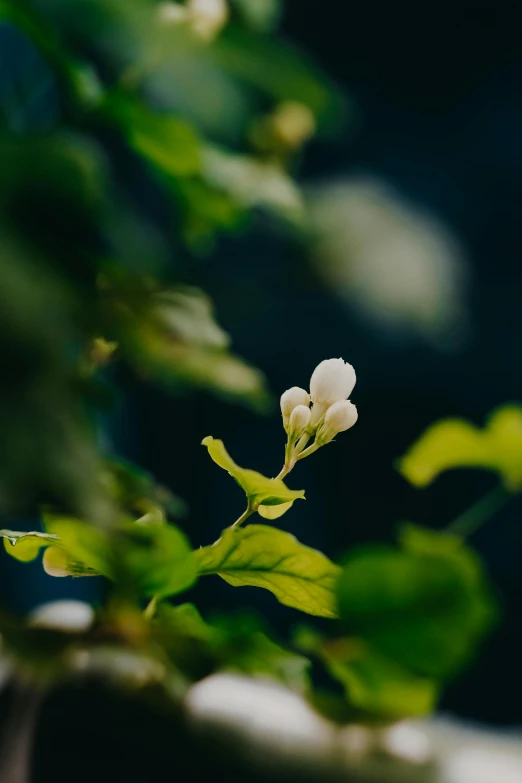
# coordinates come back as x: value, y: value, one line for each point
x: 246, y: 513
x: 473, y: 518
x: 308, y: 451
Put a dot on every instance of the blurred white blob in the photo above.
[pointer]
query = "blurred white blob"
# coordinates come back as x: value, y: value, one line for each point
x: 480, y: 765
x: 188, y: 315
x: 268, y: 719
x: 207, y: 17
x: 253, y: 183
x: 408, y: 742
x: 262, y: 711
x: 68, y: 616
x: 394, y: 264
x: 171, y: 13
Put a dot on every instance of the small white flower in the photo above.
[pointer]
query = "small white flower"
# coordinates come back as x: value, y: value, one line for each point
x: 332, y: 380
x: 339, y: 417
x: 290, y: 399
x: 299, y: 420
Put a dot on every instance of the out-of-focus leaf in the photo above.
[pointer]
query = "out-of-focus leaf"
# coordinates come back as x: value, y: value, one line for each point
x: 87, y: 546
x: 237, y: 643
x: 454, y: 443
x: 25, y: 546
x: 262, y: 556
x: 166, y: 141
x: 136, y: 490
x: 47, y: 290
x: 425, y: 606
x: 150, y: 559
x: 206, y: 211
x: 373, y: 683
x: 260, y: 15
x: 278, y: 70
x: 246, y: 647
x: 156, y: 560
x: 173, y: 337
x: 253, y: 183
x: 377, y: 684
x: 258, y: 489
x: 188, y: 315
x: 58, y: 562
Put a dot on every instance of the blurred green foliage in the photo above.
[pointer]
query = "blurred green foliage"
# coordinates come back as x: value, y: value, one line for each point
x: 454, y: 443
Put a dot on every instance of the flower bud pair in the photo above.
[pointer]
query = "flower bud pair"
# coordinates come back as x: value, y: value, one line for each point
x: 290, y: 400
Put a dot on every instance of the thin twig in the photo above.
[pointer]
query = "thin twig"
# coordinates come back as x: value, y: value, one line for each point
x: 473, y: 518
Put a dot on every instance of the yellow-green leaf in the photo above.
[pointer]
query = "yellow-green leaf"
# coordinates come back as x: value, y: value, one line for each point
x: 454, y: 443
x: 25, y: 546
x: 274, y: 512
x: 88, y: 547
x: 263, y: 556
x: 58, y: 562
x: 260, y: 490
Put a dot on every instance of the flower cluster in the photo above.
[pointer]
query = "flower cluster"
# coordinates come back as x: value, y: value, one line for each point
x: 323, y: 413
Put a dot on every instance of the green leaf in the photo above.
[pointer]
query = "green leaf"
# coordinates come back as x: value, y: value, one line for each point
x: 166, y: 141
x: 425, y: 606
x: 246, y: 647
x: 278, y: 70
x: 152, y: 558
x: 174, y: 338
x: 260, y: 15
x: 157, y: 559
x: 377, y: 684
x: 274, y: 512
x: 372, y: 682
x: 25, y: 546
x: 58, y: 562
x: 236, y: 643
x: 262, y: 556
x: 88, y: 547
x: 137, y: 491
x: 258, y: 489
x: 454, y: 443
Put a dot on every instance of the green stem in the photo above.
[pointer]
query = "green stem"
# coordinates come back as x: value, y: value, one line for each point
x: 308, y: 451
x: 473, y: 518
x: 293, y: 454
x: 246, y: 513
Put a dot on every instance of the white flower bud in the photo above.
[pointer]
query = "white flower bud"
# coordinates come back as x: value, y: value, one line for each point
x: 290, y: 399
x: 339, y: 417
x: 332, y: 380
x: 299, y: 420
